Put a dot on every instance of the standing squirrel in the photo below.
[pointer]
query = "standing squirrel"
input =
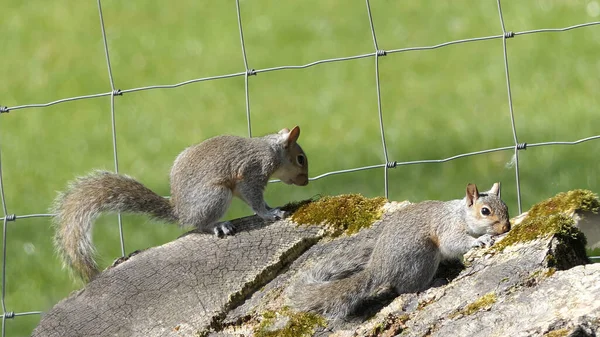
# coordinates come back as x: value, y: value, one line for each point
x: 204, y: 178
x: 406, y: 254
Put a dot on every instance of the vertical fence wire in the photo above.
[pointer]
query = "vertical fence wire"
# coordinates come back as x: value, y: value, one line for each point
x: 7, y: 217
x: 248, y: 71
x: 4, y: 240
x: 506, y: 35
x: 379, y: 53
x: 112, y: 116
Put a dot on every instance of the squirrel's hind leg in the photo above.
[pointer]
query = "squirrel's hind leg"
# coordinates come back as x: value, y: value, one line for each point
x: 205, y: 215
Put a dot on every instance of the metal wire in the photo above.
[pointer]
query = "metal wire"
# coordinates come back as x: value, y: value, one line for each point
x: 506, y: 35
x: 112, y: 116
x: 248, y: 71
x: 4, y: 239
x: 298, y: 67
x: 180, y: 84
x: 379, y: 53
x: 447, y: 159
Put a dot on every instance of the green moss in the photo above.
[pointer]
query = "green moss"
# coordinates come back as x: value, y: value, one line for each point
x: 534, y: 278
x: 269, y: 316
x: 299, y: 324
x: 201, y: 334
x: 567, y: 202
x: 553, y: 217
x: 346, y: 213
x: 557, y: 333
x: 483, y: 302
x: 549, y: 272
x: 550, y: 260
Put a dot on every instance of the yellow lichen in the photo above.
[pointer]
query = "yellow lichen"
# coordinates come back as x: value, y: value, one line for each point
x: 299, y: 324
x: 553, y: 217
x: 538, y: 275
x: 484, y: 302
x: 346, y: 213
x: 567, y: 202
x: 557, y: 333
x: 550, y: 272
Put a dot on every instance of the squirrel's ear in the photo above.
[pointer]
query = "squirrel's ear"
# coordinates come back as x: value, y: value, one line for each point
x: 293, y: 135
x: 284, y: 131
x: 472, y: 194
x: 495, y: 189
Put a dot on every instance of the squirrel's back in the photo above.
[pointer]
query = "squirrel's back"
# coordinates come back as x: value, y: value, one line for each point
x: 211, y: 160
x: 207, y: 168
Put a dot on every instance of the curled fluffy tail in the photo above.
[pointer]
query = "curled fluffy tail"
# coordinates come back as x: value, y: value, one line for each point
x: 336, y: 299
x: 84, y: 200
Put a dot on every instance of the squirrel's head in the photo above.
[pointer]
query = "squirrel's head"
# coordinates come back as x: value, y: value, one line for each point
x: 294, y: 169
x: 487, y: 213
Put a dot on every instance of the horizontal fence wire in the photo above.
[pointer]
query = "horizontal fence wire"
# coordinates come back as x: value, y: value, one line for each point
x: 248, y: 71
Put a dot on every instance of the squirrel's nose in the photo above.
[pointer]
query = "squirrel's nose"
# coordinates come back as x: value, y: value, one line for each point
x: 301, y: 180
x: 501, y: 227
x: 506, y: 227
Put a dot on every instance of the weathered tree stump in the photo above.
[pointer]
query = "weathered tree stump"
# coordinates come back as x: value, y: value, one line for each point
x: 199, y: 285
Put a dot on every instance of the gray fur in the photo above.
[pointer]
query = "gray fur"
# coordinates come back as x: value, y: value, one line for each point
x: 405, y: 257
x: 204, y: 179
x: 85, y: 199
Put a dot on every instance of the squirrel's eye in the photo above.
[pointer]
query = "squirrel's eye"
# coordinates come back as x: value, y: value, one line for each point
x: 300, y: 159
x: 485, y: 211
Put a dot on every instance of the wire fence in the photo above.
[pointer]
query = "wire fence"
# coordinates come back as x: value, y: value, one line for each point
x: 376, y: 55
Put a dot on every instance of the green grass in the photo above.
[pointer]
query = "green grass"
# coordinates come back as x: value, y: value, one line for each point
x: 435, y: 104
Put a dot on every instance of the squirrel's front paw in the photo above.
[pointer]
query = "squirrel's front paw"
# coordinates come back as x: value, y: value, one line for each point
x: 485, y: 240
x: 272, y: 214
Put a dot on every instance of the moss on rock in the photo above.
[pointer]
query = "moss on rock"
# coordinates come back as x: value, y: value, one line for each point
x: 557, y: 333
x: 296, y: 324
x: 553, y: 217
x: 484, y: 302
x: 346, y: 213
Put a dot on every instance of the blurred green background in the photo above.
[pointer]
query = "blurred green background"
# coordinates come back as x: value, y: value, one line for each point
x: 436, y: 104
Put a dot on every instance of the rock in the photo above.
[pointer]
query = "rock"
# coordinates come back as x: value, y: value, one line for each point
x: 533, y: 282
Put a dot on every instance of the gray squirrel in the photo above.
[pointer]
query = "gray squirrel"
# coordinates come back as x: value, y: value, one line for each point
x: 406, y: 253
x: 204, y: 178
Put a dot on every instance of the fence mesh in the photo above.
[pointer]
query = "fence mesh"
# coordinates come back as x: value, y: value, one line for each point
x: 376, y: 55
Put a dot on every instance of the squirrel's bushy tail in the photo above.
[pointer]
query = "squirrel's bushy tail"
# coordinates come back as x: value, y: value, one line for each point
x: 84, y: 200
x: 337, y: 298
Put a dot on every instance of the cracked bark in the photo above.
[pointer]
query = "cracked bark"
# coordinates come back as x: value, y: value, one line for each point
x: 198, y: 285
x: 181, y: 288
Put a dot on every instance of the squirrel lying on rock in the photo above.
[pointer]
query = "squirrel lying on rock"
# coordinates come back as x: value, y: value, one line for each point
x: 406, y: 254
